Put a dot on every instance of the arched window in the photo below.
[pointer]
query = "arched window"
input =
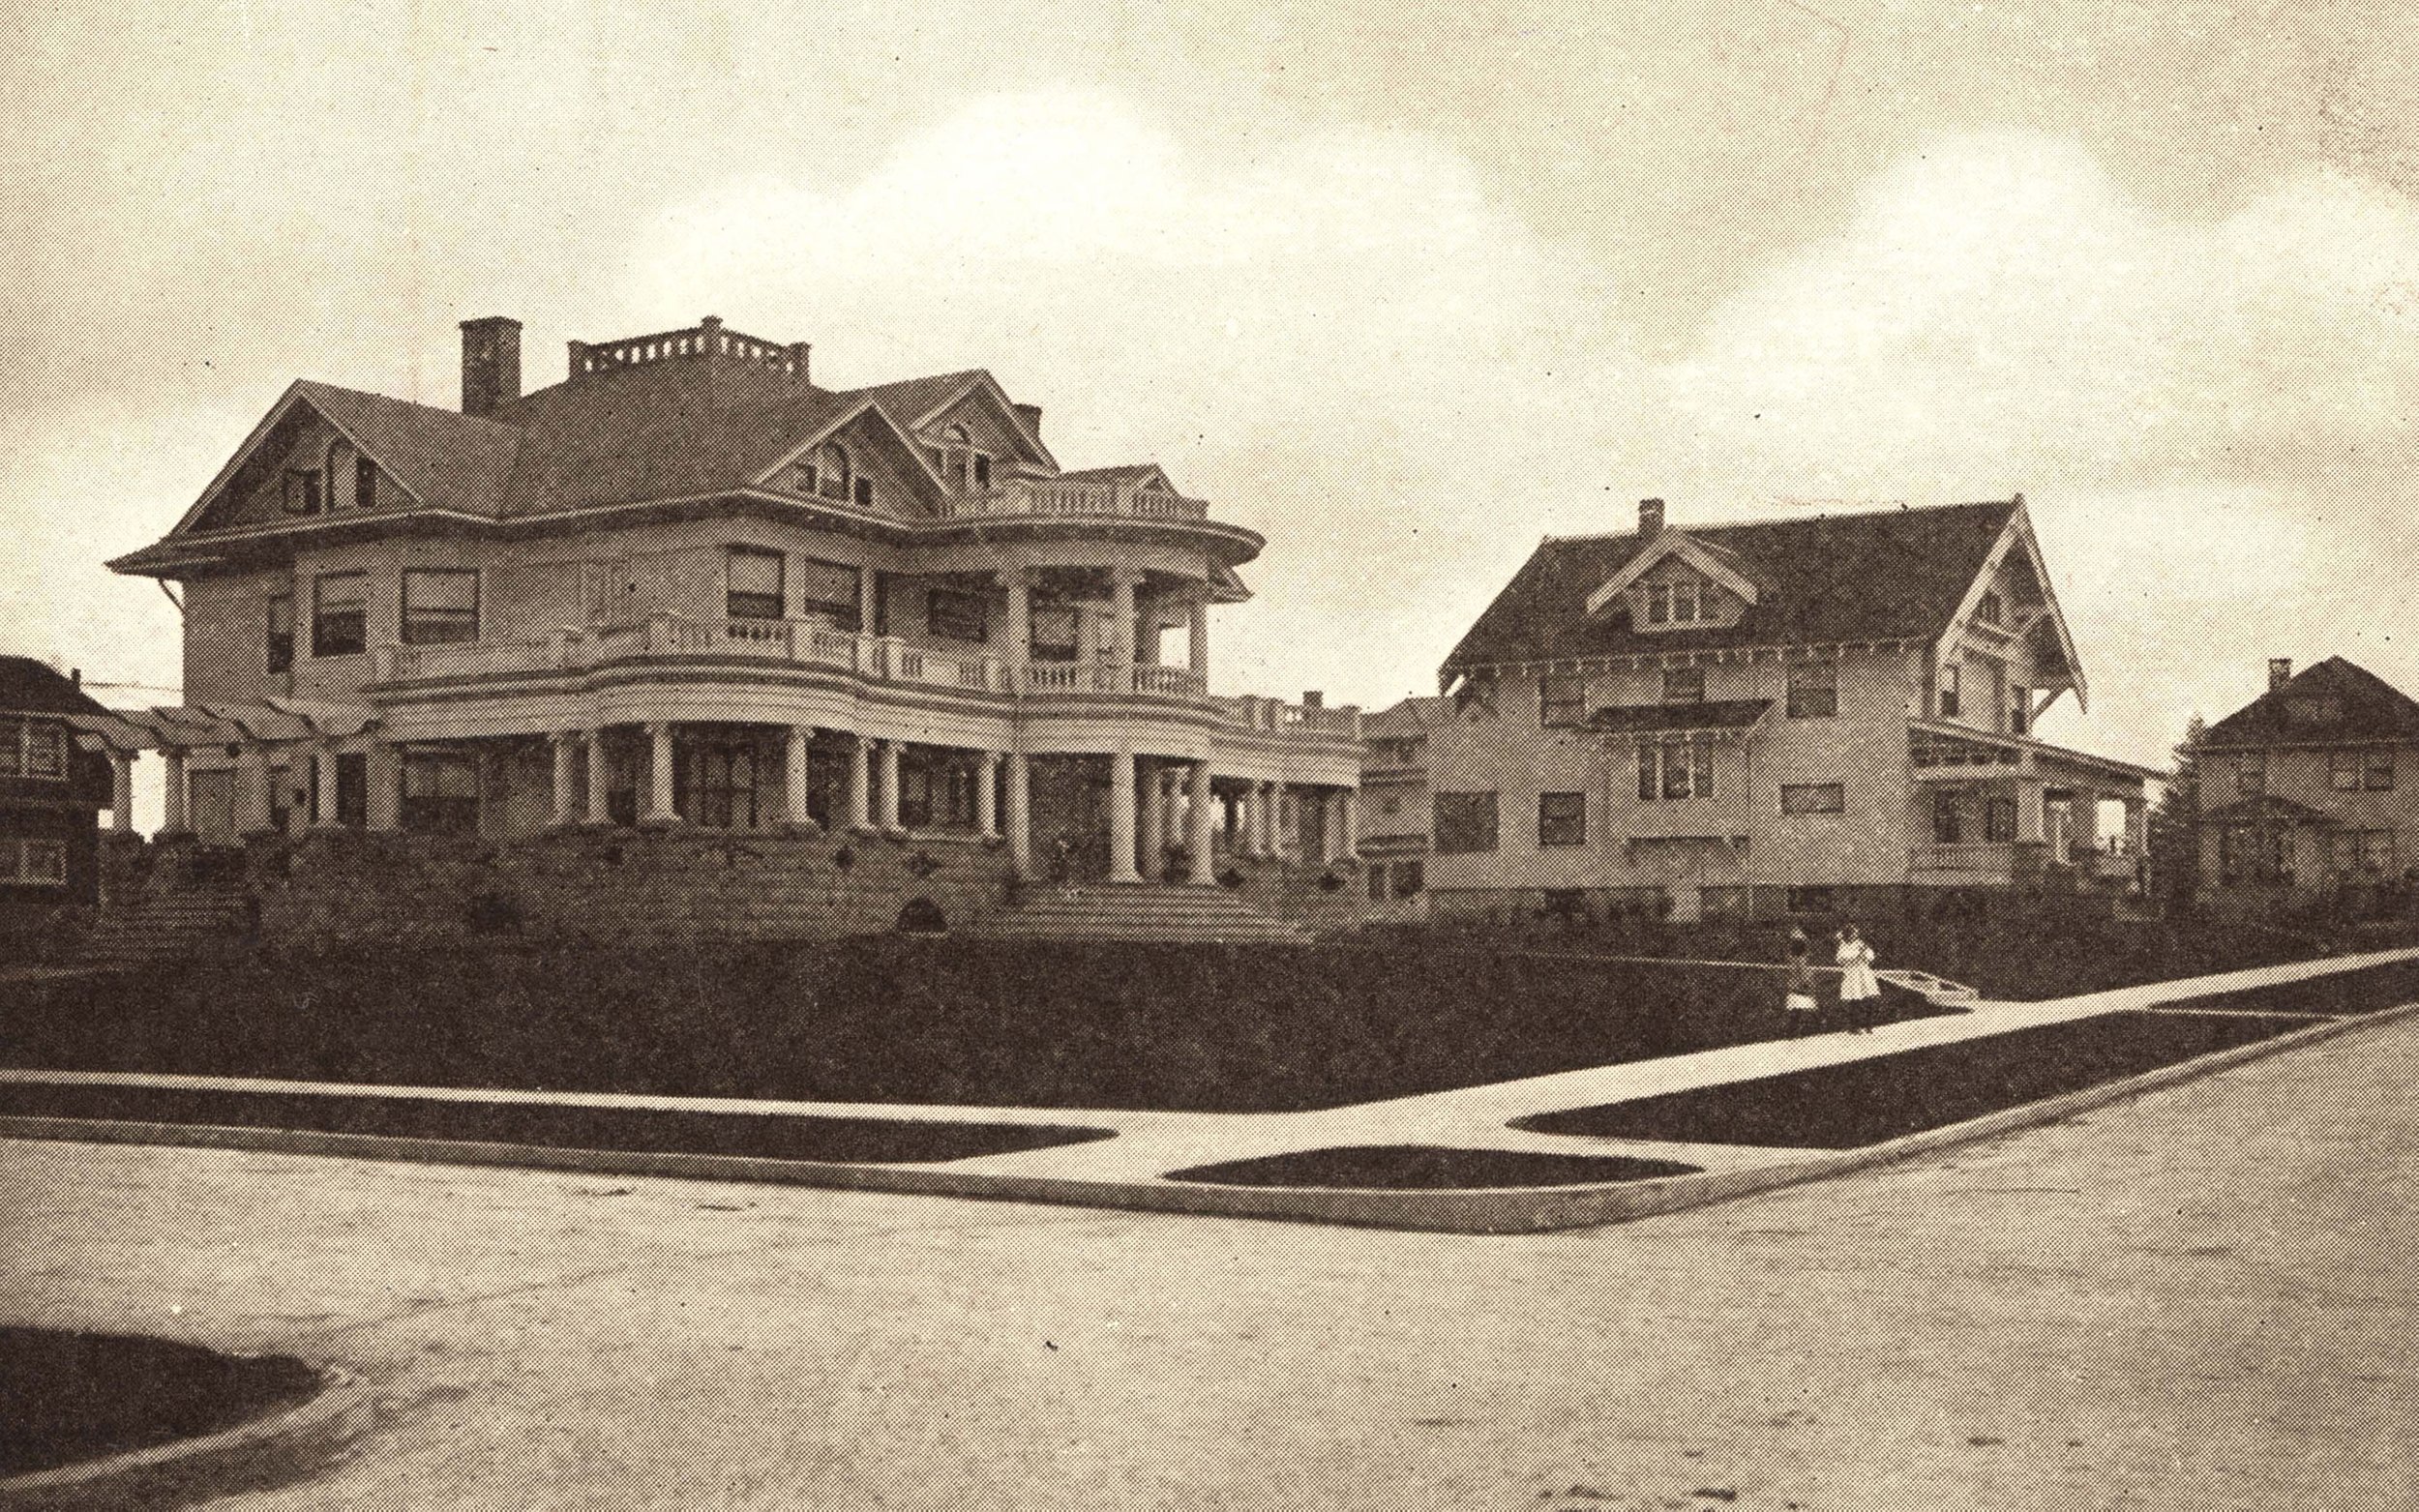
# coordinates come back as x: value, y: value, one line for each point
x: 827, y: 473
x: 963, y: 467
x: 339, y: 473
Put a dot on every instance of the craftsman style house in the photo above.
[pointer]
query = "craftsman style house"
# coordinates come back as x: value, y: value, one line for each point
x: 51, y: 791
x: 688, y: 589
x: 1823, y: 714
x: 2310, y: 791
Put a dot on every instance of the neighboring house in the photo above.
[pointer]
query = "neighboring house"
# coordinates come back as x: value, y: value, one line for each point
x: 1395, y: 805
x: 51, y: 791
x: 2309, y: 790
x: 688, y: 586
x: 1826, y: 714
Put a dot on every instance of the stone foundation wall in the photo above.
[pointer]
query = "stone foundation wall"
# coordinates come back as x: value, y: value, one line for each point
x: 615, y: 885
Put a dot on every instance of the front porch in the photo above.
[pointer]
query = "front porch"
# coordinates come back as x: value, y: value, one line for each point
x: 2013, y: 813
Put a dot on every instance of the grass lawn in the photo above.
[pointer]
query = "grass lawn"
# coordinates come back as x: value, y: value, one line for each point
x: 1866, y: 1102
x: 2014, y: 957
x: 67, y: 1398
x: 1019, y: 1023
x: 1429, y: 1167
x: 758, y: 1136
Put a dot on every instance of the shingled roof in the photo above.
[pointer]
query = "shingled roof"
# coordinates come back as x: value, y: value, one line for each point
x: 2326, y: 704
x: 28, y: 686
x: 1899, y: 574
x: 448, y: 461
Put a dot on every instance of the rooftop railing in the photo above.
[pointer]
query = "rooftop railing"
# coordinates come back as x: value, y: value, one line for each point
x: 707, y: 338
x: 1060, y: 498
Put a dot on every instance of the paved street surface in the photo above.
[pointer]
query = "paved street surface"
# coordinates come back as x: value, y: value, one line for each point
x: 2198, y: 1299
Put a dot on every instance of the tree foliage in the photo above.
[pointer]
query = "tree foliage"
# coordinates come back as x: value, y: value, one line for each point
x: 2175, y: 829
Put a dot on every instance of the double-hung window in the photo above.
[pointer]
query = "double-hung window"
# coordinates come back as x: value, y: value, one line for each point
x: 281, y: 633
x: 2250, y: 772
x: 1561, y: 701
x: 753, y: 588
x: 302, y: 490
x: 2020, y: 709
x: 1562, y: 819
x: 955, y: 615
x: 1465, y: 823
x: 2377, y: 769
x: 440, y: 606
x: 1813, y: 797
x: 35, y: 863
x: 2343, y: 770
x: 340, y: 614
x: 830, y: 590
x: 1684, y: 685
x: 1952, y: 689
x: 1813, y: 689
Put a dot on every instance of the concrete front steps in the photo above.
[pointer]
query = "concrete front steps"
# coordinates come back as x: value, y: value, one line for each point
x: 171, y: 924
x: 1938, y: 989
x: 1137, y: 911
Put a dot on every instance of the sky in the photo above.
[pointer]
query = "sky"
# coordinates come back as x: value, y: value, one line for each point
x: 1402, y: 287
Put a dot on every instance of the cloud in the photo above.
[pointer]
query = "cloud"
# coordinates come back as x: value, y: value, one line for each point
x: 1336, y: 335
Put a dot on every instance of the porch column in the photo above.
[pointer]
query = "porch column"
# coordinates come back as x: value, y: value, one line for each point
x: 1020, y: 797
x: 1274, y: 815
x: 2137, y: 826
x: 868, y: 601
x: 172, y: 819
x: 385, y: 781
x: 253, y: 782
x: 1121, y: 817
x: 1330, y: 825
x: 1247, y: 820
x: 1200, y: 814
x: 600, y: 780
x: 121, y: 792
x: 1153, y: 843
x: 660, y: 808
x: 566, y: 775
x: 860, y: 783
x: 1348, y: 810
x: 1197, y: 652
x: 890, y: 786
x: 1122, y: 582
x: 1020, y: 585
x: 323, y: 785
x: 794, y: 773
x: 987, y: 796
x: 2032, y: 819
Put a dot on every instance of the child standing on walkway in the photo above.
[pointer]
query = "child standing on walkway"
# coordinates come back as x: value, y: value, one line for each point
x: 1800, y: 1004
x: 1860, y: 994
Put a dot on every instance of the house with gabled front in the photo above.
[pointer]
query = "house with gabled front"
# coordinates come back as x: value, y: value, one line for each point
x: 51, y: 791
x: 688, y: 589
x: 2310, y: 792
x: 1830, y: 714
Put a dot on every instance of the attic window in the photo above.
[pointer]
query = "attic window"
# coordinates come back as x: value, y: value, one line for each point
x: 829, y: 475
x: 302, y: 490
x: 1990, y: 610
x: 1681, y: 601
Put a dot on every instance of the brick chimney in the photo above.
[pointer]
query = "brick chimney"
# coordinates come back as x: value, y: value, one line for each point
x: 491, y: 363
x: 2279, y: 671
x: 1650, y: 518
x: 1030, y: 414
x: 1313, y: 699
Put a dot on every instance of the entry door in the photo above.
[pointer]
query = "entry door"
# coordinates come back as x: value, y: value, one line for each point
x: 211, y: 799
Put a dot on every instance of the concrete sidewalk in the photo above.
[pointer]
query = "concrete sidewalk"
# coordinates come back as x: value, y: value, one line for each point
x: 1131, y: 1170
x: 2194, y: 1301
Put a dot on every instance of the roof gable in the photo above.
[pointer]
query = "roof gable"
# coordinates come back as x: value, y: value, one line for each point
x: 438, y: 459
x: 2329, y: 704
x: 1665, y: 546
x: 920, y: 405
x: 1897, y: 574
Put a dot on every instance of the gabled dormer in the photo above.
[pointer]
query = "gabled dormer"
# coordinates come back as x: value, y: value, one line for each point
x: 1676, y: 581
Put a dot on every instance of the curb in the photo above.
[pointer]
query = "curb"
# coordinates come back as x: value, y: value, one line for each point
x: 191, y: 1468
x: 1505, y: 1211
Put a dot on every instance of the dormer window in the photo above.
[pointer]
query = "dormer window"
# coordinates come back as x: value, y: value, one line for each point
x: 1681, y: 601
x: 1952, y: 689
x: 960, y: 466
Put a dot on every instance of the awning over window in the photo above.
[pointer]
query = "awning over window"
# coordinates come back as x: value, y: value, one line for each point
x: 1733, y: 717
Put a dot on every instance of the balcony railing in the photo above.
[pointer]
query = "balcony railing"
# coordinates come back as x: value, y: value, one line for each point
x: 1059, y: 498
x: 883, y: 657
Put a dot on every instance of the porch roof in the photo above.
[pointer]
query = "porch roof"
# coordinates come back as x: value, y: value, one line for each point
x: 1948, y: 731
x: 2268, y: 807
